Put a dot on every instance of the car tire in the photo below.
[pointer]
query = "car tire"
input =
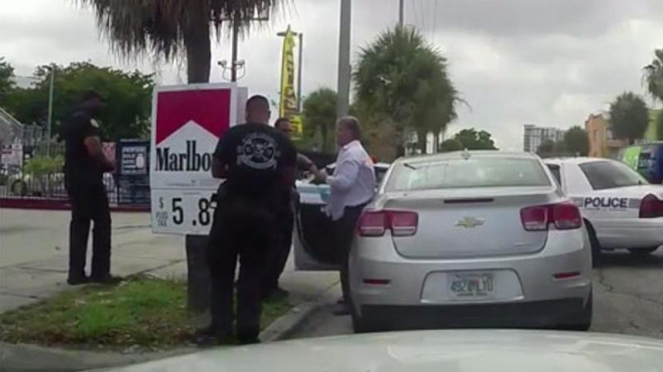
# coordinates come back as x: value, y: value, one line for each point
x: 581, y: 321
x: 361, y: 324
x: 594, y: 243
x: 642, y: 251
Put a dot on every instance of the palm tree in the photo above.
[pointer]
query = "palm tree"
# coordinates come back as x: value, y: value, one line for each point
x: 319, y: 114
x: 171, y: 28
x: 399, y: 75
x: 653, y: 75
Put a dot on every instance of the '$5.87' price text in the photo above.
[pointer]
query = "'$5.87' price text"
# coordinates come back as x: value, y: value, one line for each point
x: 176, y: 206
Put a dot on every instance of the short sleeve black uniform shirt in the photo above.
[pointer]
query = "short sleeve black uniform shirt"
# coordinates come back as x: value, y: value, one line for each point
x: 257, y: 156
x: 79, y: 167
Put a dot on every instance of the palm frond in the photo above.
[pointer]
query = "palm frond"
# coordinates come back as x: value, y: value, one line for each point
x: 158, y: 27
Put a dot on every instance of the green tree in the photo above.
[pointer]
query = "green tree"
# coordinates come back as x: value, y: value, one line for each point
x: 546, y: 148
x: 653, y: 75
x: 402, y: 78
x: 472, y: 140
x: 576, y: 141
x: 169, y: 29
x: 319, y: 117
x: 659, y: 125
x: 449, y: 145
x: 6, y: 82
x: 629, y: 117
x: 128, y: 98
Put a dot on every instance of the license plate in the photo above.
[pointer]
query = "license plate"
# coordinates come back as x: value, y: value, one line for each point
x: 471, y: 285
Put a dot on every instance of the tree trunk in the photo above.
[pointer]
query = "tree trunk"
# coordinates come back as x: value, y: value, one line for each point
x: 422, y: 139
x: 198, y: 53
x: 323, y: 134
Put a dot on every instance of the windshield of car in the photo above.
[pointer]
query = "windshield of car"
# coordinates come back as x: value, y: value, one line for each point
x: 474, y: 172
x: 604, y: 175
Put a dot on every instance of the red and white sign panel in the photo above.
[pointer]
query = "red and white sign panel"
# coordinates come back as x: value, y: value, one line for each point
x: 187, y: 122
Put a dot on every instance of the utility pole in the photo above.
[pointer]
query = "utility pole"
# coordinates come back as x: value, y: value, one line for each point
x: 233, y: 62
x: 401, y: 12
x: 299, y: 72
x: 50, y: 111
x: 344, y: 69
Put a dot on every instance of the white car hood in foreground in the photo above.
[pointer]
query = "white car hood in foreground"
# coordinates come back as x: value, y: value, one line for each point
x: 439, y: 351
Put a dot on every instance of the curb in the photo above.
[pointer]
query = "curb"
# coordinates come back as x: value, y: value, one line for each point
x: 286, y: 325
x: 60, y: 205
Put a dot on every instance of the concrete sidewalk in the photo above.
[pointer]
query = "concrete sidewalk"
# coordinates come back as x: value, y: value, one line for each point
x: 33, y: 266
x: 34, y: 256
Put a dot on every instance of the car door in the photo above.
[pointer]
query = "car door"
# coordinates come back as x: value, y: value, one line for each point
x: 312, y: 243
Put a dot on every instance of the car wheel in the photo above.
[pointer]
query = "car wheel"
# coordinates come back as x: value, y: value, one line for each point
x: 642, y: 251
x: 361, y: 324
x: 582, y: 321
x: 594, y: 243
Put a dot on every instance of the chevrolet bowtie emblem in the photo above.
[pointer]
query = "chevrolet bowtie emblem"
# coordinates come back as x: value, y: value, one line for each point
x: 470, y: 222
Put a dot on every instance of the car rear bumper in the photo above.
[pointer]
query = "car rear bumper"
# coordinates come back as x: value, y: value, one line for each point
x: 537, y: 314
x: 532, y: 276
x: 632, y: 233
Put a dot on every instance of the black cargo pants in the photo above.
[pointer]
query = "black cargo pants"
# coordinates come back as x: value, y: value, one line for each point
x: 244, y: 229
x: 282, y: 242
x: 344, y: 232
x: 89, y: 203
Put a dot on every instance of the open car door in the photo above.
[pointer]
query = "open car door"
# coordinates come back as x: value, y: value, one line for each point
x: 313, y: 246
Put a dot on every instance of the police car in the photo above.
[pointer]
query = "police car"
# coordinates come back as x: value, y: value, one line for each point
x: 621, y: 209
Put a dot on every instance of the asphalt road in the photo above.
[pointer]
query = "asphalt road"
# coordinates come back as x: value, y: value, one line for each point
x: 628, y: 299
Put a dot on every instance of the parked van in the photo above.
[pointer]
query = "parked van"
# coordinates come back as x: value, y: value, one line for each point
x: 647, y: 159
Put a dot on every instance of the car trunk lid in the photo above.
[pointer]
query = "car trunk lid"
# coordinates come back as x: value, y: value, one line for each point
x: 481, y: 222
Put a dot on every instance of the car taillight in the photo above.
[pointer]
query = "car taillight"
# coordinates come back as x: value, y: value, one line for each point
x: 376, y: 223
x: 651, y: 207
x: 565, y: 216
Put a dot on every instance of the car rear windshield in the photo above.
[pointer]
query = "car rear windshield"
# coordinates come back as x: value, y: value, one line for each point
x: 473, y: 172
x: 604, y: 175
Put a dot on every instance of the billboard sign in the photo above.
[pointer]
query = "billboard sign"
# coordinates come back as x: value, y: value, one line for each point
x: 187, y: 122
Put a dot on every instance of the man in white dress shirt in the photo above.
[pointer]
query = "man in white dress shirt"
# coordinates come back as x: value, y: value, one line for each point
x: 352, y: 186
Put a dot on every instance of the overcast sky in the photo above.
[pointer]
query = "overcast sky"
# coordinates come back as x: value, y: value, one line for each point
x: 548, y: 62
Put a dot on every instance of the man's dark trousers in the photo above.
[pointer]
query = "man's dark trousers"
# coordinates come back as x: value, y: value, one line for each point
x: 282, y: 247
x: 242, y: 228
x: 344, y: 232
x: 89, y: 203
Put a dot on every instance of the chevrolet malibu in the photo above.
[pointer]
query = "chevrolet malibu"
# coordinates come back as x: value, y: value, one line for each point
x: 471, y: 239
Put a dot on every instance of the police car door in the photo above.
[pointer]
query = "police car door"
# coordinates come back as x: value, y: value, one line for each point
x: 313, y: 246
x: 598, y: 205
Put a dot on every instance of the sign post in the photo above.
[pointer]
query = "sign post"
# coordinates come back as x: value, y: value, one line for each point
x: 187, y: 122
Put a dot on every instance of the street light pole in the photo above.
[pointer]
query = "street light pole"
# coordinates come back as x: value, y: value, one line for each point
x: 401, y: 12
x: 344, y: 69
x: 235, y: 42
x: 50, y: 111
x: 299, y: 72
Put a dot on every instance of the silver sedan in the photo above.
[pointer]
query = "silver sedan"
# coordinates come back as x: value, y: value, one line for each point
x: 465, y: 239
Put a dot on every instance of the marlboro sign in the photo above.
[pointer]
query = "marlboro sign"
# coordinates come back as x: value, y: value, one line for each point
x: 187, y: 122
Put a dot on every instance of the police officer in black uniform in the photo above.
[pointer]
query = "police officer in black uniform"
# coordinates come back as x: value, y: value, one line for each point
x: 286, y: 219
x: 258, y: 163
x: 85, y: 164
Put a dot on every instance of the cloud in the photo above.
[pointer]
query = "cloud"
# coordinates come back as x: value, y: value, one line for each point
x: 515, y: 61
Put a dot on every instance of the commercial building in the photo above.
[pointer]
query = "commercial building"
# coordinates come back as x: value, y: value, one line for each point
x: 602, y: 144
x: 534, y: 136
